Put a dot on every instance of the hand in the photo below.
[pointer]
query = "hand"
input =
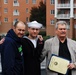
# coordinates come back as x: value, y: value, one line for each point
x: 40, y: 37
x: 2, y: 40
x: 71, y: 66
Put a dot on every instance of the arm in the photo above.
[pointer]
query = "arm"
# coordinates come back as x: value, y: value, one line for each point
x: 40, y: 37
x: 2, y: 40
x: 44, y: 51
x: 8, y: 58
x: 72, y: 48
x: 71, y: 66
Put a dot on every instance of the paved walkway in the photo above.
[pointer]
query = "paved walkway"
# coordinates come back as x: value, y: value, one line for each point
x: 43, y: 71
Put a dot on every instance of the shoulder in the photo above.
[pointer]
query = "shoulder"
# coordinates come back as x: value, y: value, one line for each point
x: 49, y: 41
x: 24, y: 40
x: 70, y: 41
x: 9, y: 41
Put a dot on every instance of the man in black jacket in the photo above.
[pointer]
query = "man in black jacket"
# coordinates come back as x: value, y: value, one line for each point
x: 32, y: 47
x: 11, y: 54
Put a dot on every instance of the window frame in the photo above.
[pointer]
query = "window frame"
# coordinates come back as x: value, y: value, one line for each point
x: 5, y: 1
x: 5, y: 19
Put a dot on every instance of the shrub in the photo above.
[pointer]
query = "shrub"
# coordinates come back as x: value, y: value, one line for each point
x: 74, y: 39
x: 43, y: 33
x: 46, y: 37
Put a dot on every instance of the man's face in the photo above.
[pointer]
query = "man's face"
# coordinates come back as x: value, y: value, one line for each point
x: 33, y: 32
x: 19, y: 30
x: 61, y: 30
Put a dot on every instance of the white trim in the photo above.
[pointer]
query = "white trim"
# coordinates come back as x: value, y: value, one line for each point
x: 56, y: 2
x: 71, y: 8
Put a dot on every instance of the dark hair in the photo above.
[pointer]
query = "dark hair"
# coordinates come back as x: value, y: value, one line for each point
x: 16, y: 23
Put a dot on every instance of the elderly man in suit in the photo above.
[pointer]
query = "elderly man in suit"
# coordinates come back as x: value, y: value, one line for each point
x: 61, y: 46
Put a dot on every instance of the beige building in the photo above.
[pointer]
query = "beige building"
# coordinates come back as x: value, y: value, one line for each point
x: 61, y: 10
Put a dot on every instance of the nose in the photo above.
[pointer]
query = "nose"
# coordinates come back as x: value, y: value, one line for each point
x: 21, y: 31
x: 35, y: 30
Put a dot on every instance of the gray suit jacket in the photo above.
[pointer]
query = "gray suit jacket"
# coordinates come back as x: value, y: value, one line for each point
x: 51, y: 46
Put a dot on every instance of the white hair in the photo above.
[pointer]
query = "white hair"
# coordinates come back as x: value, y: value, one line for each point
x: 60, y: 22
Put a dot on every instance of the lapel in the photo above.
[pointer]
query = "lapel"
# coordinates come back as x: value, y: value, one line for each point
x: 70, y: 48
x: 55, y: 45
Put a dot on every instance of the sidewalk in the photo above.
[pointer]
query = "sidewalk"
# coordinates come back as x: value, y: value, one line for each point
x: 43, y: 71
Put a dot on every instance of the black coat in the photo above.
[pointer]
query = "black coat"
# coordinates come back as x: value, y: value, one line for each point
x: 11, y: 57
x: 31, y: 57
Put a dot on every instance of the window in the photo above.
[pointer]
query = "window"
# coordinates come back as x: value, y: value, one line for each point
x: 52, y: 1
x: 5, y: 1
x: 68, y: 25
x: 27, y: 19
x: 26, y: 10
x: 52, y: 22
x: 15, y: 10
x: 5, y: 19
x: 15, y: 1
x: 5, y: 10
x: 26, y: 1
x: 0, y: 22
x: 62, y: 1
x: 15, y: 20
x: 62, y: 11
x: 44, y: 1
x: 34, y: 1
x: 52, y: 12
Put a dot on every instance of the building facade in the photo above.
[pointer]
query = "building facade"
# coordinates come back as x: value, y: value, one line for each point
x: 14, y: 10
x: 61, y: 10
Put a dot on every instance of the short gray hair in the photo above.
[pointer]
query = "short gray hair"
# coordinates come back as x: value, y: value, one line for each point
x: 60, y: 22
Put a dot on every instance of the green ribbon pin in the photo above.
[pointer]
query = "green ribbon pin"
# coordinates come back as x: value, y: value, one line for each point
x: 20, y: 49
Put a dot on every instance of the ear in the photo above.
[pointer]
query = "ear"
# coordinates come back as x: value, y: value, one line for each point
x: 28, y: 28
x: 13, y: 28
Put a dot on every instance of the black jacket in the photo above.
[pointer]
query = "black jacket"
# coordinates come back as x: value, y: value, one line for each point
x: 11, y: 55
x: 31, y: 56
